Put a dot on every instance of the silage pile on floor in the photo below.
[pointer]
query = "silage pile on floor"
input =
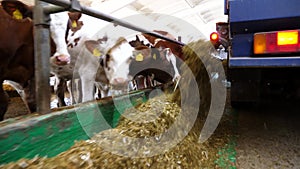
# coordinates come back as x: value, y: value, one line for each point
x: 139, y: 141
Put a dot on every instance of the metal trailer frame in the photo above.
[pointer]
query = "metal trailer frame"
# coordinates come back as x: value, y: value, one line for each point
x: 42, y: 10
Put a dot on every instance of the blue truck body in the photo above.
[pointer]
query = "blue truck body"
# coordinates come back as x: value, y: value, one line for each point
x: 254, y: 76
x: 247, y: 17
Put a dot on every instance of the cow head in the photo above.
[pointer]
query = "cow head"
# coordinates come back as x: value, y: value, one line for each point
x: 116, y: 63
x: 58, y: 27
x: 96, y: 47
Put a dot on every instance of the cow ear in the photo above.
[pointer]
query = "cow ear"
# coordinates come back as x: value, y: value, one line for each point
x: 92, y: 47
x: 21, y: 10
x: 79, y: 15
x: 102, y: 40
x: 137, y: 38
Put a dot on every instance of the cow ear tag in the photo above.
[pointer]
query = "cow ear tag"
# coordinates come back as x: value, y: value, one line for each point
x: 96, y: 52
x: 139, y: 57
x: 154, y: 56
x: 74, y: 24
x: 17, y: 15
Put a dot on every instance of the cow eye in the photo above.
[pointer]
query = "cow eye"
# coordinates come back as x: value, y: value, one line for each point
x: 101, y: 62
x: 107, y: 56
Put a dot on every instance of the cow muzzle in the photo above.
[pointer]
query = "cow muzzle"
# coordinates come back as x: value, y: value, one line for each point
x: 62, y: 59
x: 119, y: 83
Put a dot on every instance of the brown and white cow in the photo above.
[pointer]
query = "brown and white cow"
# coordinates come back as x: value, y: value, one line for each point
x: 108, y: 71
x: 17, y: 51
x: 85, y: 63
x: 75, y: 36
x: 90, y: 72
x: 65, y: 25
x: 16, y: 55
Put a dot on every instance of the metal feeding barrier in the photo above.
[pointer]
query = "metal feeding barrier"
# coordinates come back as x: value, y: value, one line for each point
x: 42, y: 12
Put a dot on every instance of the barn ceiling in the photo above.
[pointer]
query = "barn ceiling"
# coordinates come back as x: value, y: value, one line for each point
x: 199, y: 14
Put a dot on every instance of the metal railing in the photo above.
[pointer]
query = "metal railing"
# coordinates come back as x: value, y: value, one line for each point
x: 42, y: 42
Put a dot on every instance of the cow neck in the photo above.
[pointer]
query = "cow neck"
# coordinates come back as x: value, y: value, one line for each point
x: 67, y: 32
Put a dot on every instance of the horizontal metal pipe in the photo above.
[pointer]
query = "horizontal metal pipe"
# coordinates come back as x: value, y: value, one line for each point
x: 108, y: 18
x: 62, y: 3
x: 54, y: 9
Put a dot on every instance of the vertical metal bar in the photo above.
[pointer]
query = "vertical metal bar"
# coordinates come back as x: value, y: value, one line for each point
x: 41, y: 57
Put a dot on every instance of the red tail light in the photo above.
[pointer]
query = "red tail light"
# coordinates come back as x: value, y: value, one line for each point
x: 277, y: 42
x: 214, y: 36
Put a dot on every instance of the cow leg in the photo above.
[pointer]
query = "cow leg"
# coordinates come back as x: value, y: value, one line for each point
x: 172, y: 58
x: 79, y: 90
x: 73, y: 87
x: 104, y: 93
x: 87, y: 89
x: 3, y: 102
x: 59, y: 89
x: 135, y: 86
x: 149, y: 81
x: 97, y: 93
x: 145, y: 80
x: 102, y: 90
x: 137, y: 80
x: 131, y: 85
x: 69, y: 88
x: 87, y: 74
